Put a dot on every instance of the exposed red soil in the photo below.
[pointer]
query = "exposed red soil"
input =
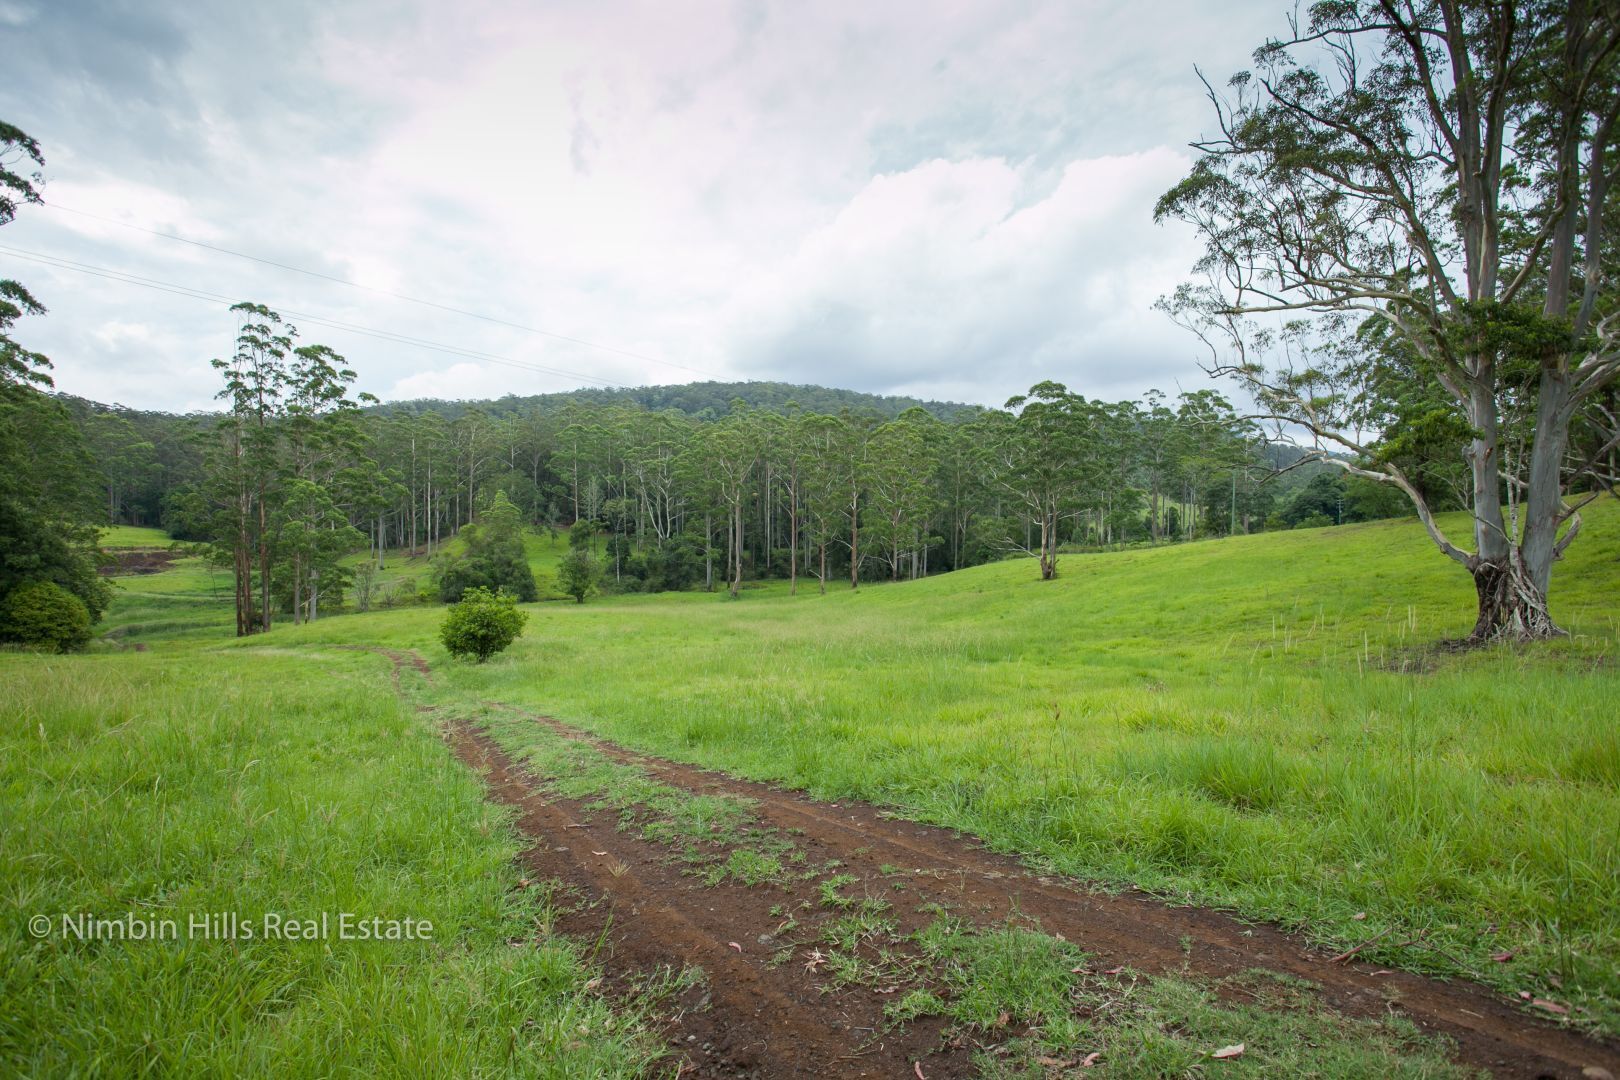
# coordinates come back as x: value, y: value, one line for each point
x: 137, y: 561
x: 747, y: 1019
x: 776, y: 1021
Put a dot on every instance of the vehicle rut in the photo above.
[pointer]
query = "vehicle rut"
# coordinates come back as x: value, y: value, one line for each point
x: 775, y: 1019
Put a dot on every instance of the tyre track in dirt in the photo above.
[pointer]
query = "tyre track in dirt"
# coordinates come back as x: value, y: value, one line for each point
x: 749, y: 1018
x: 653, y: 915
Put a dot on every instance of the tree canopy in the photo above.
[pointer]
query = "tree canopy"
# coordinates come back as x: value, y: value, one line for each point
x: 1405, y: 212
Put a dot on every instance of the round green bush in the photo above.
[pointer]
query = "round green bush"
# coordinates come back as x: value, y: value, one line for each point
x: 481, y: 624
x: 45, y: 615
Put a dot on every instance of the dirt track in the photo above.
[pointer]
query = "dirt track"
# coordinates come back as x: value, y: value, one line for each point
x: 763, y: 1017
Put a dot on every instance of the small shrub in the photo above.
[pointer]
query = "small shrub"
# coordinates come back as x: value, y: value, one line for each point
x: 482, y: 624
x: 45, y: 615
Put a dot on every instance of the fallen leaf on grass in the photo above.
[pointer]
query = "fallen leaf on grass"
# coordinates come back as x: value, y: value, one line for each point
x: 1359, y: 916
x: 1235, y: 1050
x: 1003, y: 1019
x: 1551, y: 1006
x: 1053, y: 1063
x: 1090, y: 1059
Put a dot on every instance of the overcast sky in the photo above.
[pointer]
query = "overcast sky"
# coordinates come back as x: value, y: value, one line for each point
x: 945, y: 199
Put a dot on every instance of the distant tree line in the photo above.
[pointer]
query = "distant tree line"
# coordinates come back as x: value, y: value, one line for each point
x: 295, y: 477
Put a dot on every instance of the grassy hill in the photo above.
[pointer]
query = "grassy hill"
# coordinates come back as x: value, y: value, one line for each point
x: 1260, y: 723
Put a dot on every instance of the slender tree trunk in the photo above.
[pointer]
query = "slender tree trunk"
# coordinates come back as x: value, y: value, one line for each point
x: 793, y: 539
x: 736, y: 546
x: 264, y: 564
x: 1048, y: 545
x: 854, y: 544
x: 244, y: 571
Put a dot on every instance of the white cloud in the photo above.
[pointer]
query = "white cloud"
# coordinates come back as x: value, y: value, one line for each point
x: 951, y: 200
x: 940, y: 273
x: 469, y: 380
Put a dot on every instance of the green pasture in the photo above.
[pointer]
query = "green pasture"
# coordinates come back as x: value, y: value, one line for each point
x: 1263, y: 724
x: 145, y: 788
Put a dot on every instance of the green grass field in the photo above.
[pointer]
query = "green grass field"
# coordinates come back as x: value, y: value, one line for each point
x: 1258, y: 723
x: 114, y: 537
x: 269, y: 784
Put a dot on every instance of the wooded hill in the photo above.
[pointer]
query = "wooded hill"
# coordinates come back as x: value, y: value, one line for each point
x: 691, y: 486
x: 704, y: 400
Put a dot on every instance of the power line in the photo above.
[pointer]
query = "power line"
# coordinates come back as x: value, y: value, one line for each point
x: 303, y: 316
x: 381, y: 292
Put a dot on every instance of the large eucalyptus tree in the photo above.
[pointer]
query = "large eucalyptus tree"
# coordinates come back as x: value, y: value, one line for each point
x: 1444, y: 169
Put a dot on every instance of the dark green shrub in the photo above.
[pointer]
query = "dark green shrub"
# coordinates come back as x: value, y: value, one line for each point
x: 481, y: 624
x: 46, y: 616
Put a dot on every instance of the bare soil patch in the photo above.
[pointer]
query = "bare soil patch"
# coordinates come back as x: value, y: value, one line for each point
x: 127, y: 561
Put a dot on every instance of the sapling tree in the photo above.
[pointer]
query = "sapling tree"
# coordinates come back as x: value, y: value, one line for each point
x: 1443, y: 170
x: 579, y: 571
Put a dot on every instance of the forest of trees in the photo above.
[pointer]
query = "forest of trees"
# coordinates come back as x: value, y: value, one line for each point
x: 295, y: 476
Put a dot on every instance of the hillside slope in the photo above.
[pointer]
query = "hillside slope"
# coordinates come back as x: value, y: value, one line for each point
x: 1258, y: 722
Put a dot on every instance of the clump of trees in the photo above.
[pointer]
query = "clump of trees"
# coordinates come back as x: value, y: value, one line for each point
x: 50, y: 592
x: 481, y: 624
x: 1426, y: 191
x: 493, y: 558
x: 284, y: 481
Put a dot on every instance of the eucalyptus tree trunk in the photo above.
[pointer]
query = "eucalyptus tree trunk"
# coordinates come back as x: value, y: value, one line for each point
x: 736, y: 546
